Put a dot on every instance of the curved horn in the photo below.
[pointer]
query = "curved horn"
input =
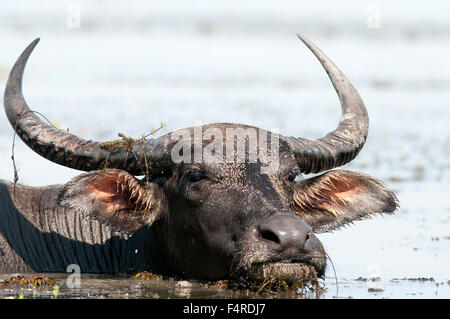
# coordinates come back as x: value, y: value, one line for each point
x: 68, y: 149
x: 344, y: 143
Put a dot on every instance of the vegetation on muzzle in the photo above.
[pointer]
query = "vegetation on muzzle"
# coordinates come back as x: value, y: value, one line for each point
x: 271, y: 279
x: 305, y: 281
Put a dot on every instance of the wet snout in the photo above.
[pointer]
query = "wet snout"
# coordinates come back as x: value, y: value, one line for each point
x: 289, y: 237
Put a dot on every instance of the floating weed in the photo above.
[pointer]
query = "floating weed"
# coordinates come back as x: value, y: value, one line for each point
x: 375, y: 290
x: 221, y: 284
x: 375, y: 279
x: 147, y: 276
x: 55, y: 292
x: 36, y: 281
x: 419, y: 279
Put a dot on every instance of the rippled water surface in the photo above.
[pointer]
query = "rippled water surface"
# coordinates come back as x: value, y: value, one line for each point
x: 132, y: 64
x: 104, y: 286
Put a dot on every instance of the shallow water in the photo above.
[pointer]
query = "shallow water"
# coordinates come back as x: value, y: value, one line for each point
x: 131, y: 65
x: 128, y: 287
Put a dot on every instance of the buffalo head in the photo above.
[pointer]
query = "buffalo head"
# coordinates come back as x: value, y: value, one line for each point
x: 219, y: 210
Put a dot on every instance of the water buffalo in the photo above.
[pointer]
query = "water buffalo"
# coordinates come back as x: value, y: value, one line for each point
x: 206, y: 218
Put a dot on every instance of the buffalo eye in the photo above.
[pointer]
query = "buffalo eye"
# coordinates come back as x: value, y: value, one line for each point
x: 195, y: 176
x: 295, y: 176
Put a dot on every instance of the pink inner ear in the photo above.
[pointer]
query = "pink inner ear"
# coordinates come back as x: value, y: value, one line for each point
x: 339, y: 191
x: 345, y: 189
x: 112, y: 191
x: 336, y: 198
x: 347, y: 195
x: 331, y: 192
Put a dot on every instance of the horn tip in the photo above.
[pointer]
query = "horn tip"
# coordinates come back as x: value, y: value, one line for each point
x: 302, y: 37
x: 32, y: 45
x: 35, y: 42
x: 308, y: 43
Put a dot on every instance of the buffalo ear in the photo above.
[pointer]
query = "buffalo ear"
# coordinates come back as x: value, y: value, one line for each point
x: 114, y: 197
x: 336, y: 198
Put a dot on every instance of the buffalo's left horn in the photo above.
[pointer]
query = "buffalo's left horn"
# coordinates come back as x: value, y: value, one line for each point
x: 344, y: 143
x: 68, y: 149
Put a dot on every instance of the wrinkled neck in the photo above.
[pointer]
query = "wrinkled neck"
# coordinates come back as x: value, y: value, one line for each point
x: 49, y: 238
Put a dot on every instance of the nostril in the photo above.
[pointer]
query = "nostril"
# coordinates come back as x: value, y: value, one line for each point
x: 308, y: 236
x: 269, y: 235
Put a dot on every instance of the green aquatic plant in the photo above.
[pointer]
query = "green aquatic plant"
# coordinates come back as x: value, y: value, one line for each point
x: 35, y: 281
x: 126, y: 142
x: 147, y: 276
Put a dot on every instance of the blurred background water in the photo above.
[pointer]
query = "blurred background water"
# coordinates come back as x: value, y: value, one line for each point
x: 104, y: 67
